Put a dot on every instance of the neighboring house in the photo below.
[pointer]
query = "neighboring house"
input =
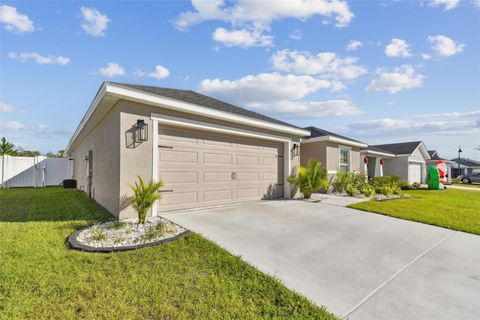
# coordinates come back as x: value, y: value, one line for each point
x: 333, y: 151
x: 207, y: 152
x: 434, y: 158
x: 409, y: 162
x: 464, y: 166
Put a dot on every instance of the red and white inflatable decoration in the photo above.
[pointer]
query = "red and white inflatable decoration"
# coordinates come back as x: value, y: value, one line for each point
x: 442, y: 171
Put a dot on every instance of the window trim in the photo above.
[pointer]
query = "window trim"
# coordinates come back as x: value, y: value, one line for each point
x: 349, y: 163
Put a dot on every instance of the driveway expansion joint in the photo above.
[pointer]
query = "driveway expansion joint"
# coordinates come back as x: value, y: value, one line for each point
x: 386, y: 282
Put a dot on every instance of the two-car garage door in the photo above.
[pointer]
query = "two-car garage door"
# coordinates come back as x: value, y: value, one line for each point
x: 200, y: 168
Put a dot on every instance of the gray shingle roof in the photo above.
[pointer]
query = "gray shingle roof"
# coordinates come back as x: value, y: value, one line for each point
x: 467, y: 162
x: 372, y: 148
x: 317, y: 132
x: 202, y: 100
x: 399, y: 148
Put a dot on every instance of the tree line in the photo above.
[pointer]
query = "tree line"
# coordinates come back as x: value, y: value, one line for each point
x: 9, y: 149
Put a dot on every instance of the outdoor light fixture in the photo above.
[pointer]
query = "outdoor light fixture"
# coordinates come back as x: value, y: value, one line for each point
x: 142, y: 131
x: 458, y: 162
x: 365, y: 160
x: 295, y: 150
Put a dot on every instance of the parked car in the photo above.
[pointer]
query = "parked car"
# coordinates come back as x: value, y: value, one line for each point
x: 469, y: 178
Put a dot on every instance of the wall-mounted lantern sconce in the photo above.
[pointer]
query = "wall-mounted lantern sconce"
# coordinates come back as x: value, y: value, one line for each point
x: 365, y: 160
x: 142, y: 131
x: 295, y: 150
x: 381, y: 162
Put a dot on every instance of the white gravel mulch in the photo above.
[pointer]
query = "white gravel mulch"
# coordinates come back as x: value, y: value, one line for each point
x: 128, y: 233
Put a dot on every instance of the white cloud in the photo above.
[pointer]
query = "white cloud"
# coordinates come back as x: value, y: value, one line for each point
x: 444, y: 46
x: 242, y: 38
x: 11, y: 125
x: 476, y: 3
x: 94, y: 23
x: 435, y: 123
x: 260, y: 14
x: 398, y: 79
x: 14, y: 21
x: 282, y: 95
x: 38, y: 58
x: 326, y: 64
x: 308, y: 109
x: 398, y: 48
x: 296, y: 34
x: 6, y: 108
x: 39, y: 130
x: 426, y: 56
x: 112, y: 69
x: 447, y: 4
x: 250, y: 19
x: 160, y: 73
x: 354, y: 45
x: 265, y: 87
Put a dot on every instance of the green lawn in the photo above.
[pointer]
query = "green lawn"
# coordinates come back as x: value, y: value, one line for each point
x: 451, y: 208
x: 469, y: 185
x: 191, y: 278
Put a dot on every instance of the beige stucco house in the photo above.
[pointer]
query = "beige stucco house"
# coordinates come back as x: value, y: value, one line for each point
x: 207, y: 152
x: 335, y: 152
x: 409, y: 161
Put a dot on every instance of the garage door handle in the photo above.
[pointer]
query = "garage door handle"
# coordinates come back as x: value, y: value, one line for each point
x: 234, y: 175
x: 166, y: 147
x: 160, y: 191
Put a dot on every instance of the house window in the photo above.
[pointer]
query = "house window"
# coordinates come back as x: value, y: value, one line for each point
x: 344, y: 159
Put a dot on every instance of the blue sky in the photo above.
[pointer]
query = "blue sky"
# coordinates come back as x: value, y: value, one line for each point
x: 378, y: 71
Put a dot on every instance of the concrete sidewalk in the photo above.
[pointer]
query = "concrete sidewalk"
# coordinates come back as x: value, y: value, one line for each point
x: 359, y: 265
x: 463, y: 188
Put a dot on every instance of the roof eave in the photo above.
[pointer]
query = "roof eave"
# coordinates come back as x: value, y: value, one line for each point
x: 122, y: 92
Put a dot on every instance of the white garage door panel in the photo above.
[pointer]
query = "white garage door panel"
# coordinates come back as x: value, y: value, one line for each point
x: 415, y: 173
x: 201, y: 169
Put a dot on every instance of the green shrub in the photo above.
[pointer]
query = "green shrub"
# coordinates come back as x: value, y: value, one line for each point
x: 145, y: 195
x: 117, y: 225
x: 386, y: 190
x: 351, y: 190
x: 310, y: 179
x: 345, y: 179
x: 396, y: 190
x: 386, y: 181
x: 98, y: 234
x: 367, y: 190
x: 153, y: 232
x: 119, y: 239
x: 404, y: 185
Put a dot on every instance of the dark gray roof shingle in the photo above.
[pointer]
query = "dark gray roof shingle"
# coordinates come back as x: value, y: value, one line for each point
x: 467, y: 162
x: 203, y: 100
x: 372, y: 148
x: 317, y: 132
x: 399, y: 148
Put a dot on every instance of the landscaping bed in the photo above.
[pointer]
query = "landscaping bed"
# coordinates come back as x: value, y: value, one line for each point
x: 190, y: 278
x: 125, y: 235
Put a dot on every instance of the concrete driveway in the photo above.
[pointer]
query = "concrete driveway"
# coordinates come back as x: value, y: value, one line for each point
x: 359, y: 265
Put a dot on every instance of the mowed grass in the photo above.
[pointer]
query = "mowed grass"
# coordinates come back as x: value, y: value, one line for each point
x: 452, y: 208
x: 192, y: 278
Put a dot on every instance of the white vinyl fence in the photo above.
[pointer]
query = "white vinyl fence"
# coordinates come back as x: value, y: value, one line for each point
x: 34, y: 171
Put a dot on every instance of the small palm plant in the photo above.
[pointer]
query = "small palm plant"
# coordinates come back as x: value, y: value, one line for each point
x: 310, y: 179
x: 145, y: 195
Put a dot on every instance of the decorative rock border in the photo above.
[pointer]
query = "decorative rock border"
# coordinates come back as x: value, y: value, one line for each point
x: 76, y: 245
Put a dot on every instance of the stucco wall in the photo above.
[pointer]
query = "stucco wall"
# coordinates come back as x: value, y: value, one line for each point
x: 103, y: 140
x: 417, y: 156
x: 327, y: 153
x: 397, y: 166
